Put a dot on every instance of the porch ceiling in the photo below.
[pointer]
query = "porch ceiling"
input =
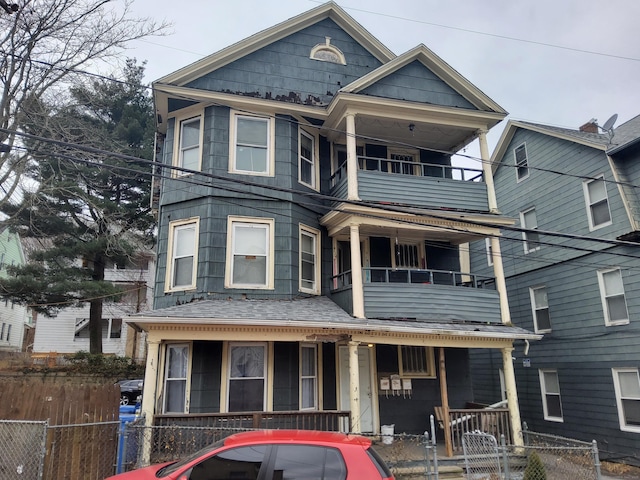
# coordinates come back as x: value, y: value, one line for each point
x: 313, y: 319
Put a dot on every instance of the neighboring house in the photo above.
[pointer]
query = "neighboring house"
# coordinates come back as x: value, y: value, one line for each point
x: 68, y: 331
x: 15, y: 321
x: 582, y: 379
x: 310, y: 223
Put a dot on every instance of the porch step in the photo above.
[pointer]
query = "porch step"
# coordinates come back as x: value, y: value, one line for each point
x: 412, y: 472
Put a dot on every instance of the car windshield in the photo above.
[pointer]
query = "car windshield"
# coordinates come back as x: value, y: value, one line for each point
x: 169, y: 469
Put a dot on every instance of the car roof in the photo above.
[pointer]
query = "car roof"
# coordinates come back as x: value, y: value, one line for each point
x: 295, y: 436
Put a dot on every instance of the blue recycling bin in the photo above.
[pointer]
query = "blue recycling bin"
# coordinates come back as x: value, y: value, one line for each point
x: 127, y: 415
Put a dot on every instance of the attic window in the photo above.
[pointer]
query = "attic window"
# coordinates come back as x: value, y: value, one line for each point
x: 325, y: 52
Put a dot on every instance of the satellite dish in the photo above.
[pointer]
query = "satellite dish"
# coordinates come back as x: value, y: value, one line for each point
x: 608, y: 125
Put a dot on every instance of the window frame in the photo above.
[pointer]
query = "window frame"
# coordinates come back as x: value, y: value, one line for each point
x: 489, y: 250
x: 314, y: 161
x: 178, y: 156
x: 259, y: 222
x: 525, y: 235
x: 270, y: 144
x: 174, y: 227
x: 265, y: 371
x: 589, y: 204
x: 535, y: 308
x: 545, y: 393
x: 430, y: 363
x: 186, y: 379
x: 315, y: 234
x: 619, y: 398
x: 313, y: 377
x: 603, y: 297
x: 517, y: 165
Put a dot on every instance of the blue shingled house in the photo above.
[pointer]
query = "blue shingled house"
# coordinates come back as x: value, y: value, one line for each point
x: 310, y: 270
x: 578, y: 285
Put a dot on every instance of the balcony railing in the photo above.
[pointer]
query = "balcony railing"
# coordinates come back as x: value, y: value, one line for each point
x: 404, y: 167
x: 410, y: 276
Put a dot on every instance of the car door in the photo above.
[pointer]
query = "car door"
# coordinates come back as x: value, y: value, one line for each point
x: 241, y: 463
x: 306, y: 462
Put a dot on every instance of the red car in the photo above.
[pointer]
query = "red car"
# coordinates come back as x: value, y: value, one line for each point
x: 275, y: 455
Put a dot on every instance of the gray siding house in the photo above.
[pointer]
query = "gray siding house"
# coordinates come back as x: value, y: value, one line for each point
x: 309, y: 265
x: 572, y: 269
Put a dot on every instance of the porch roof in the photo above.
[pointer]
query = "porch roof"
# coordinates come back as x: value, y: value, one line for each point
x: 313, y: 313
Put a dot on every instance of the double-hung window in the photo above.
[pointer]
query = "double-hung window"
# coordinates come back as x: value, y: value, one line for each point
x: 175, y: 378
x: 250, y: 253
x: 308, y: 164
x: 597, y: 202
x: 183, y: 257
x: 551, y: 402
x: 251, y: 145
x: 529, y: 221
x: 521, y: 162
x: 540, y: 307
x: 309, y: 260
x: 614, y: 302
x: 626, y: 382
x: 189, y: 141
x: 247, y: 374
x: 308, y: 377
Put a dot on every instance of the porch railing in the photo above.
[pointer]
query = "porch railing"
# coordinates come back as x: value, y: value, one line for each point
x: 426, y: 276
x: 327, y: 420
x: 408, y: 167
x: 494, y: 421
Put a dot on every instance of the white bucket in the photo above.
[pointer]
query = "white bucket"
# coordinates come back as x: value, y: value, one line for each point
x: 387, y: 433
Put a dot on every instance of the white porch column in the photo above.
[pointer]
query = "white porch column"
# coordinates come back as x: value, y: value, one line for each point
x: 501, y: 283
x: 149, y: 394
x: 354, y: 387
x: 486, y: 169
x: 357, y: 288
x: 352, y: 158
x: 512, y: 396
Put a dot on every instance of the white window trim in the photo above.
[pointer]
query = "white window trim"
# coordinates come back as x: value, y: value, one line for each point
x: 616, y: 385
x: 270, y: 144
x: 543, y: 390
x: 185, y: 117
x: 415, y: 154
x: 228, y: 275
x: 304, y: 229
x: 534, y: 309
x: 266, y: 369
x: 515, y: 162
x: 603, y: 298
x: 165, y: 367
x: 588, y: 203
x: 315, y: 377
x: 330, y: 48
x: 489, y: 250
x: 526, y: 242
x: 430, y: 364
x: 315, y: 164
x: 168, y: 281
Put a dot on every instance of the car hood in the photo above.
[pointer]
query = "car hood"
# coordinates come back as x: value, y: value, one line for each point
x: 146, y: 473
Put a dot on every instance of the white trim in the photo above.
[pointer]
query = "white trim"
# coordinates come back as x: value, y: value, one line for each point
x: 603, y: 296
x: 169, y: 270
x: 179, y: 120
x: 328, y: 48
x: 315, y: 377
x: 269, y: 223
x: 534, y: 309
x: 315, y: 234
x: 186, y: 379
x: 265, y: 368
x: 315, y: 164
x: 430, y: 363
x: 525, y: 165
x: 589, y: 203
x: 489, y: 251
x: 544, y: 393
x: 616, y: 385
x: 525, y: 237
x: 270, y: 144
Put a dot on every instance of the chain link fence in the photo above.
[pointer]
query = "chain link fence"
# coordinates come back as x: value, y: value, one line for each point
x: 543, y: 457
x: 22, y: 449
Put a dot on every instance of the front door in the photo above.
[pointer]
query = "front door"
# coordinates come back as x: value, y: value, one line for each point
x: 366, y: 393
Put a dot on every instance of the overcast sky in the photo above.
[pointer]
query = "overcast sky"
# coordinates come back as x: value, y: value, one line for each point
x: 509, y: 49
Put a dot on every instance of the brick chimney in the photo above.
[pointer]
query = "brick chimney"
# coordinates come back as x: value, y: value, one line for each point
x: 591, y: 126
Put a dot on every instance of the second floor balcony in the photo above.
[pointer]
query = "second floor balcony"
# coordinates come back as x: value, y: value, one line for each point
x: 426, y: 294
x: 424, y: 185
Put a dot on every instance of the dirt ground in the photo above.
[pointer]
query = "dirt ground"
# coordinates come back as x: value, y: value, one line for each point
x: 620, y: 470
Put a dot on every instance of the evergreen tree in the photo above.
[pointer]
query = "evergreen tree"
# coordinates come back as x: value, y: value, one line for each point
x: 535, y: 468
x: 88, y: 206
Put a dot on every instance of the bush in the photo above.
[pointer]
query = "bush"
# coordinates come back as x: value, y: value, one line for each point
x: 106, y: 365
x: 535, y: 468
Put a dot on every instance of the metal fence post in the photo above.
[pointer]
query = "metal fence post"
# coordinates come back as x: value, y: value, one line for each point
x: 427, y: 446
x: 505, y: 457
x: 43, y: 449
x: 435, y: 451
x: 596, y: 460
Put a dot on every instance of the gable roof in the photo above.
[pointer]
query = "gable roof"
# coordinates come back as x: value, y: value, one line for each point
x: 625, y: 135
x: 438, y: 66
x: 277, y: 32
x: 599, y: 141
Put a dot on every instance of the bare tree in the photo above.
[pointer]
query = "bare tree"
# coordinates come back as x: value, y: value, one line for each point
x: 42, y: 46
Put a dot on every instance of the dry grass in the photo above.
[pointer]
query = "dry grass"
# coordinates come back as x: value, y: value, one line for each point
x: 628, y: 471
